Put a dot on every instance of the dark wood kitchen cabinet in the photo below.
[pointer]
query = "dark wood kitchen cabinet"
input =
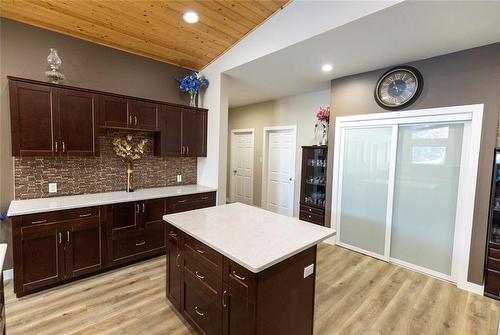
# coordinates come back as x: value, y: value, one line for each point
x: 143, y: 115
x: 53, y: 247
x: 174, y: 261
x: 49, y: 121
x: 183, y: 132
x: 114, y: 112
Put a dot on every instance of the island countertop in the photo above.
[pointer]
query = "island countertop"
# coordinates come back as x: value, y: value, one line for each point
x: 252, y: 237
x: 31, y: 206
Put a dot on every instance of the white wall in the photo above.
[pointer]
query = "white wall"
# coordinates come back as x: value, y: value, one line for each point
x: 299, y: 110
x: 296, y: 22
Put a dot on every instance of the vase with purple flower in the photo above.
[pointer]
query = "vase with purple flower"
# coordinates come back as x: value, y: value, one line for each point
x: 192, y: 84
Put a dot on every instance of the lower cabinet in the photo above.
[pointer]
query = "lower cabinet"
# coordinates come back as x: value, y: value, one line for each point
x: 55, y: 247
x: 215, y: 295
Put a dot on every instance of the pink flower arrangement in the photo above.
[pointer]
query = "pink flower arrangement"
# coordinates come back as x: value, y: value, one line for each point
x: 323, y: 114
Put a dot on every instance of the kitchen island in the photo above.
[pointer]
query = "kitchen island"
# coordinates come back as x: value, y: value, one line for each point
x: 241, y: 270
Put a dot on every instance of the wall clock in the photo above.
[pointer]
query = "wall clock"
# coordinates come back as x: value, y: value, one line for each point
x: 399, y: 87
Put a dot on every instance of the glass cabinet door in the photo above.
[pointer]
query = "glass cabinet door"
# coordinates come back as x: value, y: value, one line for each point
x: 315, y: 177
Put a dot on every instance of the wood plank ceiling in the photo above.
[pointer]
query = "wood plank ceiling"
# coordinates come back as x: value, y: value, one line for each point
x: 153, y: 29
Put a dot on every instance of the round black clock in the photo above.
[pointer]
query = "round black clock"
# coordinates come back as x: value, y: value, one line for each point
x: 398, y: 87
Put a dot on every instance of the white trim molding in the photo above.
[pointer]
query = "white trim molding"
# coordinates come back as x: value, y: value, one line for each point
x: 472, y: 117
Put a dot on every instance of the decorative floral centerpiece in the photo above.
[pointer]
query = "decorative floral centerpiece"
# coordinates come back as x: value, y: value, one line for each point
x: 3, y: 216
x: 323, y: 117
x: 129, y: 152
x: 192, y: 84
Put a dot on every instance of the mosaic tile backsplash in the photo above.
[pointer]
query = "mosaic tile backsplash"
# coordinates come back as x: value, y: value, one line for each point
x: 106, y: 173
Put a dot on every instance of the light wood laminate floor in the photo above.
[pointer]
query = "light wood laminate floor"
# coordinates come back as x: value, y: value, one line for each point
x: 355, y: 294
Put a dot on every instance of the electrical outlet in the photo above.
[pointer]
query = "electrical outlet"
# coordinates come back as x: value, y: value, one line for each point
x: 308, y: 270
x: 52, y: 187
x: 179, y: 178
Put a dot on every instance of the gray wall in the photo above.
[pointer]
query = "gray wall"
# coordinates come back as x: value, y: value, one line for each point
x: 467, y: 77
x: 23, y: 52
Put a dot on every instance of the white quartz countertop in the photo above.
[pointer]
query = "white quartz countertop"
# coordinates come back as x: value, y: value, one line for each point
x: 23, y: 207
x: 252, y: 237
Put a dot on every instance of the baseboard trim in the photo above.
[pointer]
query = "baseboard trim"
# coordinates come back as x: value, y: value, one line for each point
x: 8, y: 275
x: 473, y: 288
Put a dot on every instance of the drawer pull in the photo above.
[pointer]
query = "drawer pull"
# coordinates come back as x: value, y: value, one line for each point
x: 172, y: 234
x: 177, y: 260
x: 199, y: 275
x: 200, y: 251
x: 204, y: 198
x: 41, y: 221
x: 85, y: 215
x: 310, y: 210
x: 309, y: 216
x: 224, y: 303
x: 181, y: 201
x: 198, y: 312
x: 238, y: 276
x: 140, y: 243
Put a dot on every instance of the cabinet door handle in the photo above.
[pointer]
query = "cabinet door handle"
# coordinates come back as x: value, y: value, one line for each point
x: 177, y: 260
x: 309, y: 216
x: 137, y: 206
x: 56, y: 147
x: 67, y: 235
x: 200, y: 251
x: 143, y: 207
x: 172, y: 234
x: 130, y: 119
x: 60, y: 238
x: 238, y: 276
x: 135, y: 120
x: 181, y: 201
x: 224, y: 295
x: 85, y: 215
x: 198, y: 312
x: 63, y: 147
x: 140, y: 243
x: 182, y: 150
x: 187, y: 148
x: 40, y: 221
x: 199, y: 275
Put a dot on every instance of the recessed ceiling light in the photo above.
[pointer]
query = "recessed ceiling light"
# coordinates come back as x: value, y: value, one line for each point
x: 327, y: 68
x: 190, y: 17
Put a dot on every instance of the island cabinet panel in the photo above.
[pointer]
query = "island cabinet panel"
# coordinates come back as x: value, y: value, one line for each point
x: 78, y: 121
x: 50, y: 121
x: 220, y: 296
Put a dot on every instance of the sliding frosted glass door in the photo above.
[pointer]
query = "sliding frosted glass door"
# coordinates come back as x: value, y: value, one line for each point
x: 425, y: 195
x: 364, y: 178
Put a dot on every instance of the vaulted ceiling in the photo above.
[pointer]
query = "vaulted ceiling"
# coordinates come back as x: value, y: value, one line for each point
x: 150, y: 28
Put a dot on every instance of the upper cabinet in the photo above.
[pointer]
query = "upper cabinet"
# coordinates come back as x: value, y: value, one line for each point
x: 48, y: 121
x: 183, y: 132
x: 58, y: 120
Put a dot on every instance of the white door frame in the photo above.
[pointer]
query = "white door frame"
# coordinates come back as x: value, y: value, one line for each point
x: 234, y: 132
x: 265, y: 158
x: 467, y: 179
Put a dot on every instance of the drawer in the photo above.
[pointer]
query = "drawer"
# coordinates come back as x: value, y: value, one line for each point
x: 209, y: 281
x: 239, y: 278
x: 312, y: 210
x: 494, y: 253
x: 155, y: 236
x: 200, y: 311
x: 310, y: 217
x: 190, y: 202
x: 128, y: 246
x: 492, y: 285
x: 494, y: 264
x: 203, y: 254
x: 78, y: 213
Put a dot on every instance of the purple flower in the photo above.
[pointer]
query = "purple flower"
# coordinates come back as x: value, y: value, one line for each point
x: 3, y: 216
x: 192, y: 83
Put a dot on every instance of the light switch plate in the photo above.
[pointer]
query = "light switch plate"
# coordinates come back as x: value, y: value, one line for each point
x: 179, y: 178
x: 52, y: 187
x: 308, y: 270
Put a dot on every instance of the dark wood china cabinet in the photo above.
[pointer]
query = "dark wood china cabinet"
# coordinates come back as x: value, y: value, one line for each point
x: 492, y: 263
x: 313, y: 184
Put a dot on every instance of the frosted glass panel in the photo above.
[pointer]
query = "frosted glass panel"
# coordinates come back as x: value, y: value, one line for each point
x: 365, y: 175
x: 425, y: 194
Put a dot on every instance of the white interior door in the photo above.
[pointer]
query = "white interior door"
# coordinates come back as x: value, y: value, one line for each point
x: 242, y: 152
x: 280, y: 171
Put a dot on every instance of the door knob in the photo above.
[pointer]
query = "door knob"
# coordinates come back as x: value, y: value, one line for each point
x: 290, y: 178
x: 234, y: 171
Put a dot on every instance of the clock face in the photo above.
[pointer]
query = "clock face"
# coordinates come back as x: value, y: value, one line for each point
x: 398, y: 87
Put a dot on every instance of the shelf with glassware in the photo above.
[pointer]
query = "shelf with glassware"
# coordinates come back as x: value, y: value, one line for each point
x: 313, y: 184
x: 492, y: 263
